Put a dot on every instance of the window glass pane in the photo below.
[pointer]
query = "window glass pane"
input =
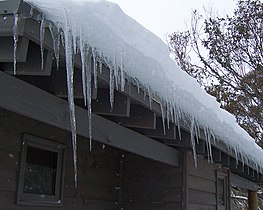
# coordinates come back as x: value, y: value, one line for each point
x: 221, y: 191
x: 40, y: 171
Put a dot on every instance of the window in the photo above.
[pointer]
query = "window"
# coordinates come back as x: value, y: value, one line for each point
x: 41, y: 172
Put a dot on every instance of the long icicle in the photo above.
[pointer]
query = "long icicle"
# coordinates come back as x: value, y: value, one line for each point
x: 94, y: 66
x: 83, y: 54
x: 42, y: 37
x: 56, y: 41
x: 163, y: 118
x: 15, y: 37
x: 193, y: 141
x: 111, y: 87
x: 88, y: 75
x: 70, y: 77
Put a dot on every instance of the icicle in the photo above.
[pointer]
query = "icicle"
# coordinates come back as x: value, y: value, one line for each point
x: 236, y: 153
x: 62, y: 40
x: 163, y: 118
x: 122, y: 74
x: 168, y: 114
x: 111, y: 87
x: 83, y: 54
x: 172, y: 113
x: 196, y: 132
x: 31, y: 11
x: 15, y: 37
x: 208, y: 144
x: 70, y: 77
x: 56, y: 41
x: 94, y: 67
x: 138, y: 85
x: 42, y: 37
x: 86, y: 81
x: 150, y: 97
x: 177, y: 121
x: 100, y: 62
x: 115, y: 67
x: 193, y: 142
x: 88, y: 76
x: 144, y: 94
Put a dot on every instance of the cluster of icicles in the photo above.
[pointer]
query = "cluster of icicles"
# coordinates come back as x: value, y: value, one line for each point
x: 92, y: 61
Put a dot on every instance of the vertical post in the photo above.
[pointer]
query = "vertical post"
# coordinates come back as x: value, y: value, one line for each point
x: 252, y: 200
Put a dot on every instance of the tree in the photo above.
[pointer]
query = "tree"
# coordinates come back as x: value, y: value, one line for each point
x: 230, y: 67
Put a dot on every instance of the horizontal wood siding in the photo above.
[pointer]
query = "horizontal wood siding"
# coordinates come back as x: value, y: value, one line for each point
x: 151, y: 185
x: 201, y: 183
x: 98, y: 179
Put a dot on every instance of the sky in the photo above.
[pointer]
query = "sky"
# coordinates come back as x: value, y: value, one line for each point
x: 163, y: 17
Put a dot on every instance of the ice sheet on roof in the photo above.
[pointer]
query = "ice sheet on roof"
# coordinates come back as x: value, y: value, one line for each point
x: 125, y: 45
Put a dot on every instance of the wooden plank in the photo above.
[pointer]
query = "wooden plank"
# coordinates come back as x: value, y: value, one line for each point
x: 7, y: 52
x: 32, y: 66
x: 102, y: 106
x: 201, y: 207
x: 158, y: 132
x: 8, y: 180
x: 8, y: 160
x: 152, y: 205
x: 139, y: 117
x: 143, y: 167
x: 9, y: 140
x: 59, y: 84
x: 225, y: 160
x: 200, y: 197
x: 88, y: 204
x: 208, y: 174
x: 93, y: 168
x: 8, y: 202
x: 44, y: 107
x: 147, y: 181
x: 171, y: 135
x: 239, y: 181
x: 202, y: 184
x: 201, y: 147
x: 14, y: 6
x: 91, y: 191
x: 153, y: 194
x: 216, y: 153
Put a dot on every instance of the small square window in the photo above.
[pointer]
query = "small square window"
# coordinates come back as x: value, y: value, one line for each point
x: 41, y: 174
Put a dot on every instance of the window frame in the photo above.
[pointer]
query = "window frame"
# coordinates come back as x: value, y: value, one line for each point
x: 40, y: 199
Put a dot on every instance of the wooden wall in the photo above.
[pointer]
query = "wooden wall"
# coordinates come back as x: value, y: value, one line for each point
x: 201, y: 184
x: 99, y: 180
x: 151, y: 185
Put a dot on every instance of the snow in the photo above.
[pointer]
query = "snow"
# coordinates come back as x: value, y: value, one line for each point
x: 101, y: 29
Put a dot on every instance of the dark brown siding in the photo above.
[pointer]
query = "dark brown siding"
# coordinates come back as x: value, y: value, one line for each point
x: 202, y: 184
x: 98, y: 180
x: 151, y: 185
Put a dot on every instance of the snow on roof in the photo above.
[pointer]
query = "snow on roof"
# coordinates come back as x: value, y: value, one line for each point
x: 128, y: 47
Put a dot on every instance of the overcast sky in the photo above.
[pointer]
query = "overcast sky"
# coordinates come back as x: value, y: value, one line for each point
x: 166, y: 16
